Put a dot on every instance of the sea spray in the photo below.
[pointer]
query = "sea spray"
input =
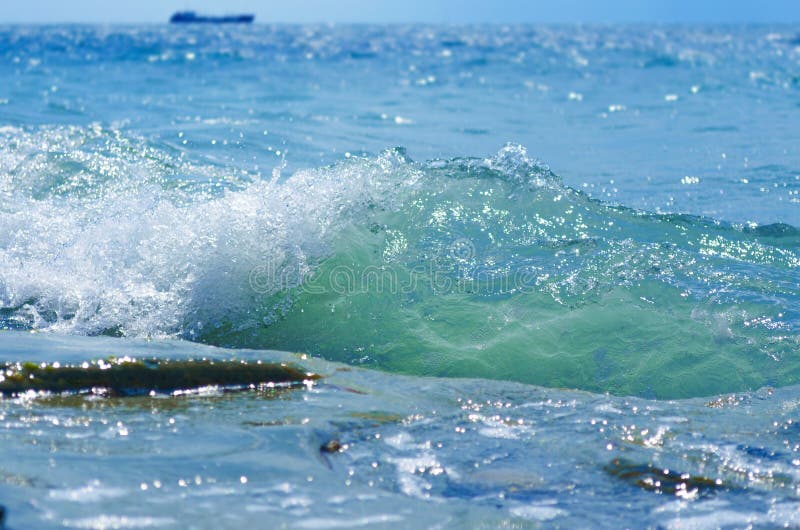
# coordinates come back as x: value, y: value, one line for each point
x: 465, y: 267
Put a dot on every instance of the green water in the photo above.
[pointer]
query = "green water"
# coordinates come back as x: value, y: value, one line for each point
x: 495, y: 269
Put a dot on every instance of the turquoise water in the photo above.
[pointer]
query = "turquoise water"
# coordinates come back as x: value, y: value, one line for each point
x: 549, y: 274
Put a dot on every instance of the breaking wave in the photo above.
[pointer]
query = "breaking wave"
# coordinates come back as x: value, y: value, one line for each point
x: 466, y: 267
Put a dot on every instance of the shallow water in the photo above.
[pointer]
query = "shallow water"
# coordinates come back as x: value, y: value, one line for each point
x: 415, y: 452
x: 549, y: 274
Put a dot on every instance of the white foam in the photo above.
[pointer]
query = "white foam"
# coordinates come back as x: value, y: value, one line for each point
x: 123, y: 249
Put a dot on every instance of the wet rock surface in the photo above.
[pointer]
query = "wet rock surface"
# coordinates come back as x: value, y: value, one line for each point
x: 132, y: 377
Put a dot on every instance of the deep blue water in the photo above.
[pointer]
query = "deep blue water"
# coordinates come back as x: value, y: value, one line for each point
x: 549, y: 274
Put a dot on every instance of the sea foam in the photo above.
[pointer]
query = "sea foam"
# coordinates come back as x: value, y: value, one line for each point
x: 462, y: 267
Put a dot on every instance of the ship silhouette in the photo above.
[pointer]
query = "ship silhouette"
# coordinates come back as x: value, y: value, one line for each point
x: 190, y: 17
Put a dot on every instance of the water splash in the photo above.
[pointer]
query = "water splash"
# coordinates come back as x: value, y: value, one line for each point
x: 465, y: 267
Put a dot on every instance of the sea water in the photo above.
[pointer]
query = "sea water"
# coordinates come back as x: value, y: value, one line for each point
x: 549, y: 275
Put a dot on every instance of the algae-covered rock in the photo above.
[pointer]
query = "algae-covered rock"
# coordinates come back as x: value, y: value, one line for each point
x: 131, y: 377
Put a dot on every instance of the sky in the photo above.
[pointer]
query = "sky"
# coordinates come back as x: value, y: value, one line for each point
x: 394, y: 11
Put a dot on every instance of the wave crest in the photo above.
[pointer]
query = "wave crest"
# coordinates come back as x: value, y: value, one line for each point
x: 466, y: 267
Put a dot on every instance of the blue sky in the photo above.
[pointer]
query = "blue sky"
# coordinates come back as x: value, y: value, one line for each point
x: 436, y: 11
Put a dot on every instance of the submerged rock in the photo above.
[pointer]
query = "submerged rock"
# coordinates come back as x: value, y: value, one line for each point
x: 659, y: 480
x: 131, y: 377
x: 331, y: 446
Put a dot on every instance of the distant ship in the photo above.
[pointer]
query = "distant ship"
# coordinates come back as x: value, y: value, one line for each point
x: 190, y: 17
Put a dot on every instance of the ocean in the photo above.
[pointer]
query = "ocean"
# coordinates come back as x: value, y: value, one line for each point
x: 514, y: 276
